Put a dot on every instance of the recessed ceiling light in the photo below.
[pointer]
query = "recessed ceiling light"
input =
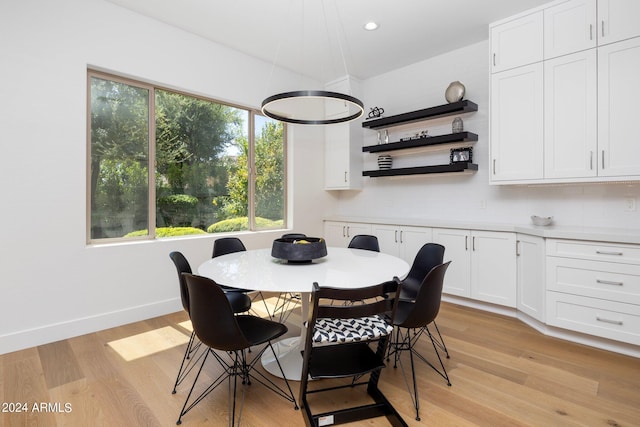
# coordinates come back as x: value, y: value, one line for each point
x: 370, y: 26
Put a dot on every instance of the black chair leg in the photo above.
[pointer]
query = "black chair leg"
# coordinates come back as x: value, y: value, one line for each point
x: 188, y: 363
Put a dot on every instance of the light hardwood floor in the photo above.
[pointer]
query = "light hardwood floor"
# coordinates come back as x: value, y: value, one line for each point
x: 503, y: 374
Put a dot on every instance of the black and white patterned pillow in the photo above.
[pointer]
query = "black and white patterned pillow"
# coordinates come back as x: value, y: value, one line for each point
x: 350, y: 330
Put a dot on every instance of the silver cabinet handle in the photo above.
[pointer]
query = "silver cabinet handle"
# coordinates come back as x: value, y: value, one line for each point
x: 344, y: 229
x: 609, y: 253
x: 345, y: 176
x: 517, y: 247
x: 602, y: 25
x: 609, y: 282
x: 602, y: 159
x: 473, y: 243
x: 494, y: 59
x: 613, y: 322
x: 348, y: 231
x: 591, y: 160
x: 395, y: 236
x: 590, y: 31
x: 401, y: 237
x: 466, y: 243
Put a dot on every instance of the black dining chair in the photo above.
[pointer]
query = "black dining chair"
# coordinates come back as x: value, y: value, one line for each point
x: 228, y: 245
x: 228, y: 338
x: 347, y: 342
x: 364, y: 241
x: 429, y: 255
x: 411, y: 320
x: 239, y: 302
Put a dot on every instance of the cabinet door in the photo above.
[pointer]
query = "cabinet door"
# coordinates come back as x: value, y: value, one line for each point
x: 335, y: 233
x: 336, y: 157
x: 354, y: 228
x: 618, y: 92
x: 617, y: 20
x: 412, y: 239
x: 388, y: 238
x: 518, y: 42
x: 569, y: 27
x: 570, y: 116
x: 493, y: 267
x: 457, y: 280
x: 517, y: 124
x: 531, y: 276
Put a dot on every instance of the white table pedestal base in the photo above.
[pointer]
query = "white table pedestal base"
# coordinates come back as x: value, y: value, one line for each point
x: 289, y: 355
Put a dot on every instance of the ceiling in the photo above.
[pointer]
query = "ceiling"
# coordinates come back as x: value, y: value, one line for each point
x: 325, y: 39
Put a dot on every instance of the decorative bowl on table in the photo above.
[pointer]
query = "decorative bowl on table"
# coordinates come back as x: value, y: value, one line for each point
x: 299, y: 250
x: 541, y: 220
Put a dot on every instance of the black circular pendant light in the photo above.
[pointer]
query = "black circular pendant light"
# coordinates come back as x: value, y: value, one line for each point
x: 307, y: 107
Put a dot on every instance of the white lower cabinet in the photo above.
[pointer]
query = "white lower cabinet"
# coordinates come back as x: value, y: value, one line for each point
x: 483, y: 264
x: 530, y: 263
x: 402, y: 241
x: 594, y: 288
x: 338, y: 233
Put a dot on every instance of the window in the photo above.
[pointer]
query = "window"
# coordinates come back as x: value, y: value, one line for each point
x: 187, y: 164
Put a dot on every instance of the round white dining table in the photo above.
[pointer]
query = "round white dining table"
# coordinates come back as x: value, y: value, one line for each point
x: 342, y: 268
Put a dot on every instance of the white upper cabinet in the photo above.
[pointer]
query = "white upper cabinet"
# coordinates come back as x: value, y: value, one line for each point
x: 517, y: 42
x: 569, y: 27
x: 618, y: 92
x: 517, y: 124
x: 618, y: 20
x: 570, y: 116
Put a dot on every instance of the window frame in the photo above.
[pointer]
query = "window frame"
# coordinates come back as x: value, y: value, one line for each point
x: 151, y: 153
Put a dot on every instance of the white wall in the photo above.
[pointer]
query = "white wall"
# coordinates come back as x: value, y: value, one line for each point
x: 471, y: 198
x: 53, y: 285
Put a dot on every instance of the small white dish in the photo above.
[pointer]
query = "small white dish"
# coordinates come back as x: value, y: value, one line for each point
x: 541, y: 220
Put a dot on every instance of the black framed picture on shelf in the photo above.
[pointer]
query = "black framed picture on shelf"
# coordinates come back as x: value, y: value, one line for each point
x: 461, y: 155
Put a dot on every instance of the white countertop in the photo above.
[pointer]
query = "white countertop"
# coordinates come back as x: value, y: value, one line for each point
x: 598, y: 234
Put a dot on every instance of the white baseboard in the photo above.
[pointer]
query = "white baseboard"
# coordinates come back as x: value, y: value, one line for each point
x: 564, y: 334
x: 59, y: 331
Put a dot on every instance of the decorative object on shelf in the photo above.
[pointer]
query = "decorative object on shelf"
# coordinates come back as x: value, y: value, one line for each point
x: 541, y: 220
x: 295, y: 250
x: 375, y: 113
x: 386, y: 136
x: 385, y: 161
x: 461, y: 155
x: 457, y: 125
x: 455, y: 92
x: 379, y: 138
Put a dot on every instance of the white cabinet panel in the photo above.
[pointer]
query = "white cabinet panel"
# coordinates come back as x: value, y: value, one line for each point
x: 518, y: 42
x: 531, y: 292
x: 618, y: 20
x: 618, y: 90
x: 457, y: 280
x: 402, y: 241
x: 493, y: 267
x: 570, y: 116
x: 517, y: 124
x: 339, y: 234
x: 569, y: 27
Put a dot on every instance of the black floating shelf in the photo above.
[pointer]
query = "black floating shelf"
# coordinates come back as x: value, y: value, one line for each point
x: 423, y: 142
x: 464, y: 106
x: 453, y: 167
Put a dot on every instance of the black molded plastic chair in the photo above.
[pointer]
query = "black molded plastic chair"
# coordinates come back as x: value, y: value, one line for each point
x: 412, y: 318
x: 364, y: 241
x: 429, y: 255
x: 239, y: 303
x: 218, y: 328
x: 229, y: 245
x: 340, y: 344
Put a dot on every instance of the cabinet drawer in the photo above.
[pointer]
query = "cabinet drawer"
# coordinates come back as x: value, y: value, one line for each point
x: 597, y: 279
x: 607, y: 319
x: 596, y: 251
